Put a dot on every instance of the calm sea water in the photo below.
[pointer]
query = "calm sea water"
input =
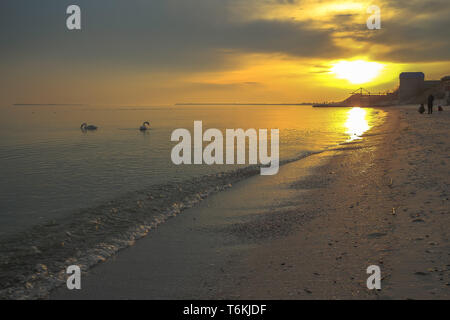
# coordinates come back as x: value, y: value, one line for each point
x: 73, y: 197
x: 50, y: 168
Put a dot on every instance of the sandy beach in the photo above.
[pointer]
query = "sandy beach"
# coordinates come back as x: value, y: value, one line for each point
x: 379, y: 200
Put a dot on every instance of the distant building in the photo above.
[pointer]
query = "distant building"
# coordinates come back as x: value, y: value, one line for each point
x: 445, y: 91
x: 413, y: 88
x: 411, y: 84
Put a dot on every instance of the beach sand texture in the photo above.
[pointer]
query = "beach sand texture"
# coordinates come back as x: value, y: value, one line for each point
x: 380, y: 200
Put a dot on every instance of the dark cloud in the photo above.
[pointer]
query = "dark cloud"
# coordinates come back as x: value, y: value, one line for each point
x: 414, y: 40
x: 160, y: 34
x: 418, y: 32
x: 413, y: 8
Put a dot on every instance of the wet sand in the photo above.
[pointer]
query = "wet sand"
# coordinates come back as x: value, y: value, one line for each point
x: 380, y: 200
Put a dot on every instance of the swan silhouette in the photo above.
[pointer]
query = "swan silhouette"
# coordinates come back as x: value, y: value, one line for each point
x: 86, y: 127
x: 145, y: 126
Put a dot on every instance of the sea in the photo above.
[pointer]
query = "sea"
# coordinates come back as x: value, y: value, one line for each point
x: 74, y: 196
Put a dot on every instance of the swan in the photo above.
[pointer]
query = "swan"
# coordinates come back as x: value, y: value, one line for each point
x: 145, y: 126
x: 85, y: 127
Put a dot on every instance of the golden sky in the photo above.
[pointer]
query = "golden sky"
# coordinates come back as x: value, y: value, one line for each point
x: 167, y: 51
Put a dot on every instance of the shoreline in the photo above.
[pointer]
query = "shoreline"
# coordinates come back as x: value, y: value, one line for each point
x: 326, y: 231
x: 374, y: 211
x: 39, y: 278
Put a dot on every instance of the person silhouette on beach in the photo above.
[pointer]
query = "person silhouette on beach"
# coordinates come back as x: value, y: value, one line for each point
x: 430, y: 104
x: 421, y: 108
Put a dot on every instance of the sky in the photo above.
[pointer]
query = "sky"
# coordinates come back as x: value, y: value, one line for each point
x: 160, y: 52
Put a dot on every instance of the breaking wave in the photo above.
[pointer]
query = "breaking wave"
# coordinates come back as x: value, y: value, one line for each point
x: 34, y: 262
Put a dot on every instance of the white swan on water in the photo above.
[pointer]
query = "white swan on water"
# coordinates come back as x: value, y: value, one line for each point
x: 145, y: 126
x: 84, y: 126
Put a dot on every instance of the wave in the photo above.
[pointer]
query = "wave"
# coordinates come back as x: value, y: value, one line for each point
x: 34, y: 262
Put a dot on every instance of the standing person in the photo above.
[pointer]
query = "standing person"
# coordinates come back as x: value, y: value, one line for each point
x: 430, y: 104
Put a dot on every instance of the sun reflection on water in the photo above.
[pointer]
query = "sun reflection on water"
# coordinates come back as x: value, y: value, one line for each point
x: 356, y: 123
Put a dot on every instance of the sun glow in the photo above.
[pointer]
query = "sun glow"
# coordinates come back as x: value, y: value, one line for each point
x: 356, y: 71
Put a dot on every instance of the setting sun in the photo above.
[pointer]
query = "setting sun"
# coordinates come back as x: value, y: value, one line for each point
x: 357, y: 71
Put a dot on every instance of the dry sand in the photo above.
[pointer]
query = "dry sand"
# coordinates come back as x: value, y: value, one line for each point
x: 380, y: 200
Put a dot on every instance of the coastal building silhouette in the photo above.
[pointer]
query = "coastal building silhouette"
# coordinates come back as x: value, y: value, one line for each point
x: 445, y: 89
x: 412, y: 89
x: 413, y: 86
x: 411, y: 83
